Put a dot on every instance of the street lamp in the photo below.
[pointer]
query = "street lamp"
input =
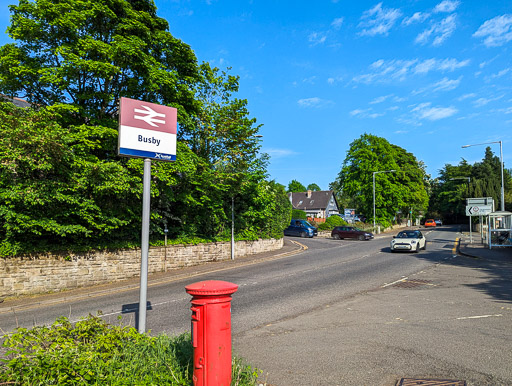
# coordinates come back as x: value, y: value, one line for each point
x: 381, y: 171
x: 501, y: 160
x: 469, y: 179
x: 233, y: 214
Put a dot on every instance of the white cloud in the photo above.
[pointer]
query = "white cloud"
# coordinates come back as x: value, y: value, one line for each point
x: 440, y: 65
x: 398, y: 70
x: 496, y: 31
x: 314, y: 102
x: 378, y: 20
x: 279, y: 153
x: 365, y: 113
x: 439, y: 32
x: 446, y: 6
x: 444, y: 84
x: 501, y: 73
x: 336, y: 24
x: 418, y: 17
x: 334, y: 80
x: 466, y: 96
x: 317, y: 38
x: 480, y: 102
x: 381, y: 99
x: 425, y: 111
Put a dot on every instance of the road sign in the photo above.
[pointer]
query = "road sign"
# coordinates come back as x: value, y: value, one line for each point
x: 478, y: 210
x: 480, y: 201
x: 147, y: 130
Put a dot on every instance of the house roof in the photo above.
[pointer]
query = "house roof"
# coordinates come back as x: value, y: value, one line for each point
x: 317, y: 200
x: 18, y: 102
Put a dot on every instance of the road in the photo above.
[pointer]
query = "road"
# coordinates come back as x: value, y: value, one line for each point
x: 327, y: 271
x: 334, y: 314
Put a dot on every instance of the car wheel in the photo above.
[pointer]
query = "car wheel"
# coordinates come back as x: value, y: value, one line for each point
x: 425, y: 246
x: 392, y: 250
x: 337, y: 237
x: 303, y: 234
x: 417, y: 248
x: 360, y: 237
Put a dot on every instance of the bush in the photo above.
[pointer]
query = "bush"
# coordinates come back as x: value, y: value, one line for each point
x: 94, y: 352
x: 299, y: 214
x: 331, y: 222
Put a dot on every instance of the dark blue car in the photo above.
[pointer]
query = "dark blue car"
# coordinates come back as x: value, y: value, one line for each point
x: 300, y: 228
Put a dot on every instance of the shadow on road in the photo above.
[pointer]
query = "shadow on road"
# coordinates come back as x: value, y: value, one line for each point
x: 497, y: 265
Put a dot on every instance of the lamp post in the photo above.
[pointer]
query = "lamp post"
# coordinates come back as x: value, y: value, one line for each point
x: 502, y: 206
x: 374, y: 173
x: 469, y: 179
x: 233, y: 215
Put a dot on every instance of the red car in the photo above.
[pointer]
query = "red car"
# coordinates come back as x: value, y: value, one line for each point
x: 430, y: 223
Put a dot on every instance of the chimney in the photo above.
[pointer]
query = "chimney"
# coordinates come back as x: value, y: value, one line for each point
x: 309, y: 193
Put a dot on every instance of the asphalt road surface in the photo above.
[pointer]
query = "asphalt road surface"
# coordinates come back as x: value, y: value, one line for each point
x: 339, y: 313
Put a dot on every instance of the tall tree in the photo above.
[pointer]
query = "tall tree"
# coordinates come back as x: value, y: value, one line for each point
x: 73, y: 60
x: 295, y: 186
x: 401, y: 191
x: 314, y: 187
x: 90, y: 53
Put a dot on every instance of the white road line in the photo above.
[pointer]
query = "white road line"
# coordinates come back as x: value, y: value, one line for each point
x: 395, y: 282
x: 479, y: 317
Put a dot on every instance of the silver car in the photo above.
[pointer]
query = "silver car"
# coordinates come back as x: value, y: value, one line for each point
x: 408, y: 241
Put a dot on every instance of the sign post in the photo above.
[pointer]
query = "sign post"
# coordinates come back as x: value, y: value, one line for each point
x: 146, y: 130
x: 478, y: 207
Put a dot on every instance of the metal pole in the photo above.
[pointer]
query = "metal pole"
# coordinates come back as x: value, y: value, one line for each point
x: 470, y: 233
x: 232, y: 228
x: 165, y: 249
x: 146, y: 196
x: 374, y: 201
x: 502, y: 181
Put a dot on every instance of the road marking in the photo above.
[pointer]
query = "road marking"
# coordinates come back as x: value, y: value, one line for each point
x: 395, y: 282
x: 479, y: 317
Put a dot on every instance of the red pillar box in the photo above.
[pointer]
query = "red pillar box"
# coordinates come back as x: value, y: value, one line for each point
x: 211, y: 331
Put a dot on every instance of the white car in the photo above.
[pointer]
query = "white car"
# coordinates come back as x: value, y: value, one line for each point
x: 408, y: 241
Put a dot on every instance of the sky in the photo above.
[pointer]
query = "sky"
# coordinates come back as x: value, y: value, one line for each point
x: 428, y: 76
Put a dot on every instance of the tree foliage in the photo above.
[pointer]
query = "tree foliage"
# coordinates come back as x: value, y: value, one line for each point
x: 314, y: 187
x: 403, y: 190
x: 456, y: 183
x: 90, y: 53
x: 61, y: 181
x: 295, y: 186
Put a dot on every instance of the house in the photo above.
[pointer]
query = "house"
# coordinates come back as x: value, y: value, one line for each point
x: 18, y: 102
x: 319, y: 204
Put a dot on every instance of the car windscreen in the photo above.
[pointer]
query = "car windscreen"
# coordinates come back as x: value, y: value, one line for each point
x: 408, y: 235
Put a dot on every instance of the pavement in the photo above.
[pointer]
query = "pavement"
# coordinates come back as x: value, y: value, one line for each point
x: 448, y: 324
x: 478, y: 250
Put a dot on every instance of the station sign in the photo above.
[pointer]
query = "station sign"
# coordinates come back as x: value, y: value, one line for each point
x: 147, y: 130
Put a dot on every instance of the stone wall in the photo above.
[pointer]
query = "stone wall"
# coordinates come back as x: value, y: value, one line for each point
x: 33, y: 274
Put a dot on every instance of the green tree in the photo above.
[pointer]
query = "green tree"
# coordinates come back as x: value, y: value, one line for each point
x: 456, y: 183
x: 314, y: 187
x: 403, y: 190
x: 73, y: 60
x: 54, y: 190
x: 90, y: 53
x: 295, y: 186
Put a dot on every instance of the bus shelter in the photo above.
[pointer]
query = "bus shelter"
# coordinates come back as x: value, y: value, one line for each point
x: 500, y: 229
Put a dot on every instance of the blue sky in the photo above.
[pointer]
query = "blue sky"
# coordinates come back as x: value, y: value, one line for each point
x: 429, y: 76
